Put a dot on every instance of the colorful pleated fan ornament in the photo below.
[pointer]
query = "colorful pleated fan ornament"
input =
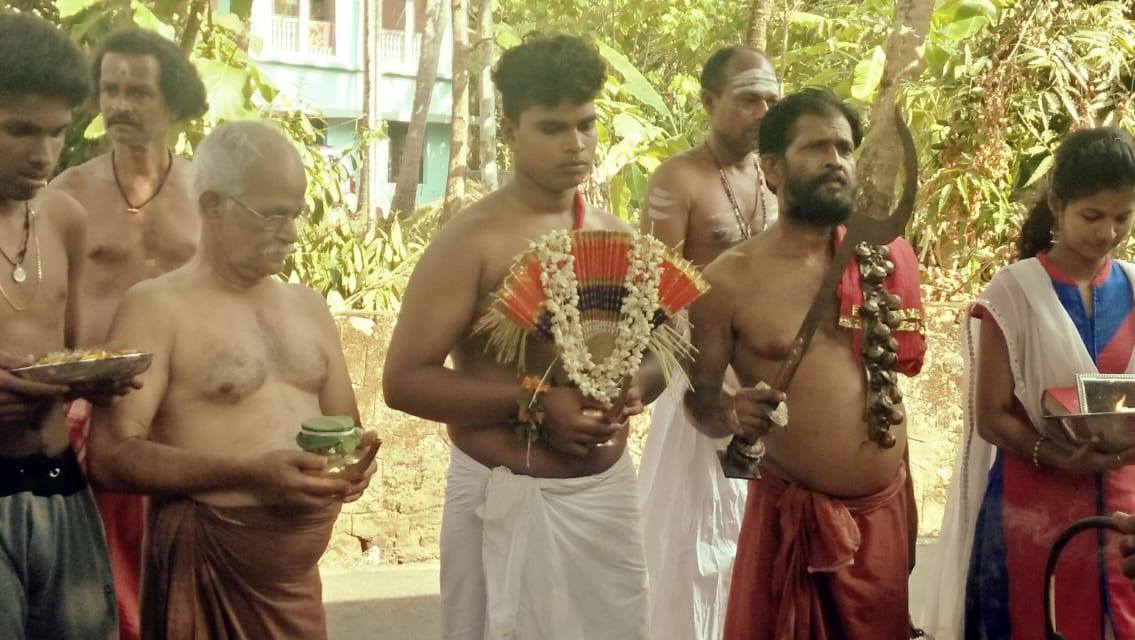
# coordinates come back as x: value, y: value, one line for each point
x: 604, y: 277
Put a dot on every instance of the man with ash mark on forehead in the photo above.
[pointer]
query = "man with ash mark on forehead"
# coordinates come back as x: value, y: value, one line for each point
x: 702, y: 202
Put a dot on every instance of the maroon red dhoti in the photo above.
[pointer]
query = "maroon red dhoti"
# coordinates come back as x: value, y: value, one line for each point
x: 239, y: 573
x: 813, y: 567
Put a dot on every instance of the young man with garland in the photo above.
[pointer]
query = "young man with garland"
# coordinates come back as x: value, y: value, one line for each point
x: 702, y: 202
x: 141, y: 224
x: 822, y: 552
x: 541, y: 540
x: 55, y: 581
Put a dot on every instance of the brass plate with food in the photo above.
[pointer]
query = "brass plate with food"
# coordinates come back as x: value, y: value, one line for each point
x: 84, y: 366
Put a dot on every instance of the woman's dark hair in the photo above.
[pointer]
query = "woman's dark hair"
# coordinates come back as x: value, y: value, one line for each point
x: 39, y: 59
x: 778, y: 128
x: 546, y: 70
x: 1087, y: 162
x: 180, y: 85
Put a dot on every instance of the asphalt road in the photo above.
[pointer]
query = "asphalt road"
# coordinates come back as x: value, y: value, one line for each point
x: 401, y: 602
x: 394, y: 603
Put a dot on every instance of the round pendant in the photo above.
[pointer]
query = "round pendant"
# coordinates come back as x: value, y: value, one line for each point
x: 18, y: 274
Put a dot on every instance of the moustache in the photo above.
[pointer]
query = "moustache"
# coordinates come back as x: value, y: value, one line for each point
x: 120, y: 120
x: 833, y: 177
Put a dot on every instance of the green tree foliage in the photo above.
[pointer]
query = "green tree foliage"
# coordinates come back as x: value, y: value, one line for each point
x: 218, y: 45
x: 351, y: 263
x: 1002, y: 82
x: 1000, y: 91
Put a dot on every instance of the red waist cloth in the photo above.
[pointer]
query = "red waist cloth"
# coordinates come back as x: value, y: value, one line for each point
x: 903, y: 282
x: 123, y: 520
x: 813, y: 567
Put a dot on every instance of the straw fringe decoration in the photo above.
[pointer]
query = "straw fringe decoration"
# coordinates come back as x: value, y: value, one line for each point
x: 584, y: 284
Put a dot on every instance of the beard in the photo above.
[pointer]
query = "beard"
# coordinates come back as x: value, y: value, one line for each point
x: 816, y: 205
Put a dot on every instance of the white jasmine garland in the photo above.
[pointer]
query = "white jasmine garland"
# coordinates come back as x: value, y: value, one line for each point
x: 601, y: 380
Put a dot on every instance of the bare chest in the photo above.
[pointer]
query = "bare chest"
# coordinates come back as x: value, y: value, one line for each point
x: 473, y: 352
x: 716, y: 225
x: 158, y: 239
x: 767, y: 320
x: 32, y: 312
x: 502, y: 255
x: 713, y: 228
x: 226, y: 355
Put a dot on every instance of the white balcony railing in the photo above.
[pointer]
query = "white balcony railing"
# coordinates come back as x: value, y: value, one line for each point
x: 398, y: 56
x: 284, y: 36
x: 395, y: 54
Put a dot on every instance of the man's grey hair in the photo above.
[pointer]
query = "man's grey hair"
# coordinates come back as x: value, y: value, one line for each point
x: 226, y: 157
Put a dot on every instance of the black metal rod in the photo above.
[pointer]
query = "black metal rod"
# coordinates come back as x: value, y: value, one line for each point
x: 1095, y: 522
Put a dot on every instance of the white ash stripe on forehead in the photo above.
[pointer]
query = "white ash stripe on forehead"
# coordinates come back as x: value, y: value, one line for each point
x: 753, y: 80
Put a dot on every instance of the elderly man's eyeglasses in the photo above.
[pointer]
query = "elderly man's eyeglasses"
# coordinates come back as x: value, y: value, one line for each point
x: 272, y: 223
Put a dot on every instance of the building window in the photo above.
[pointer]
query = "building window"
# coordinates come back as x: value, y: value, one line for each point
x: 397, y: 131
x: 291, y: 19
x: 321, y: 27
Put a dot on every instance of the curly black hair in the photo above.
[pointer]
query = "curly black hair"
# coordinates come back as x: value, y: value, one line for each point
x: 1087, y: 162
x: 713, y: 73
x: 180, y: 84
x: 41, y: 60
x: 778, y: 128
x: 546, y: 70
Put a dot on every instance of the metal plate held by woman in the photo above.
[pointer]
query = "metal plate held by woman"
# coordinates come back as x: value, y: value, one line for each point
x: 112, y: 367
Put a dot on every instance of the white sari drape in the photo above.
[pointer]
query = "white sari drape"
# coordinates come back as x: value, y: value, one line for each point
x: 1045, y: 351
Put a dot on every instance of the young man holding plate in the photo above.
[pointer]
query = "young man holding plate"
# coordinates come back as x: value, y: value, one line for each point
x: 54, y: 578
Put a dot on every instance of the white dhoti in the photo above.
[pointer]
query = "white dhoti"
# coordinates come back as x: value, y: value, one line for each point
x: 692, y: 514
x: 541, y: 558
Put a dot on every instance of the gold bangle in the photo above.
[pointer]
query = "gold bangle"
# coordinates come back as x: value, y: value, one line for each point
x: 1036, y: 450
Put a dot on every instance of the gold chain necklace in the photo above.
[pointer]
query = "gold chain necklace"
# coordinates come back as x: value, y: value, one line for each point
x: 745, y: 228
x: 38, y: 269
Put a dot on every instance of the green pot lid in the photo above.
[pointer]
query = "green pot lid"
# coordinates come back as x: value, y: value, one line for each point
x: 329, y: 425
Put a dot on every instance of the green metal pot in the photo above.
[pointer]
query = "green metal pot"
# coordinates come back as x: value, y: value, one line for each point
x: 336, y: 437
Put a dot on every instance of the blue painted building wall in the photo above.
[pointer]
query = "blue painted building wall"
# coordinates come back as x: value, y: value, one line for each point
x: 332, y: 86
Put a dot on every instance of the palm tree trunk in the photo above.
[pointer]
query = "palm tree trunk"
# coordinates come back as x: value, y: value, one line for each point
x: 406, y: 188
x: 459, y: 131
x: 369, y: 35
x: 881, y: 157
x: 488, y: 107
x: 757, y: 37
